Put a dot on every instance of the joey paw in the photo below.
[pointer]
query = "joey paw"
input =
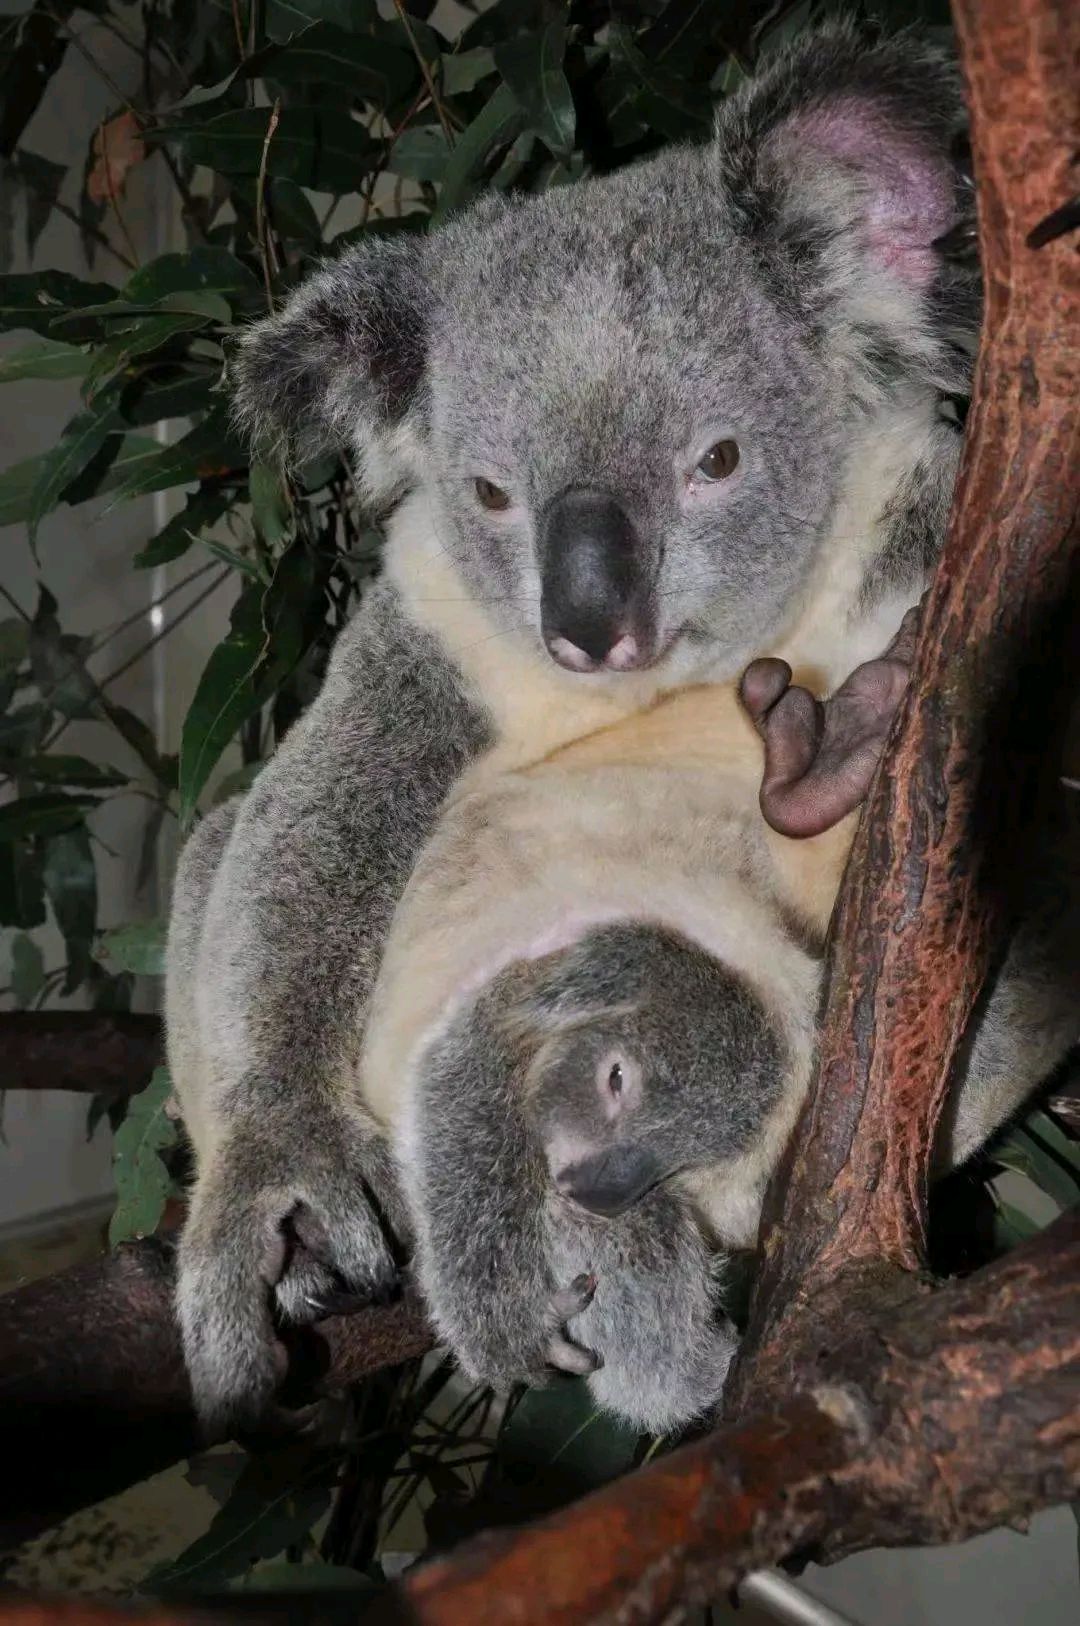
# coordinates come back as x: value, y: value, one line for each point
x: 562, y: 1306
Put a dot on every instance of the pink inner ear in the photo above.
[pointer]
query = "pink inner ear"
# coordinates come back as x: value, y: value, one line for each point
x: 911, y: 198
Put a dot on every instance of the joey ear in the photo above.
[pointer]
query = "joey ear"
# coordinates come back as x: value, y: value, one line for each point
x: 845, y: 136
x: 341, y: 364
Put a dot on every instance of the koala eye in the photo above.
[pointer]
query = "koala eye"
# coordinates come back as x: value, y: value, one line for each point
x: 491, y: 496
x: 720, y: 460
x: 615, y: 1079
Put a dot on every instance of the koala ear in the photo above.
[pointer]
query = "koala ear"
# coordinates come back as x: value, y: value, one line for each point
x: 845, y: 143
x: 341, y: 364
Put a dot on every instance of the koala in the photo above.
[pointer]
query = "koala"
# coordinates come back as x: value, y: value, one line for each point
x: 629, y: 434
x: 593, y: 1029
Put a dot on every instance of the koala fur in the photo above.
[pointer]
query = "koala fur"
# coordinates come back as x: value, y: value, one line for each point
x: 776, y: 286
x: 623, y: 902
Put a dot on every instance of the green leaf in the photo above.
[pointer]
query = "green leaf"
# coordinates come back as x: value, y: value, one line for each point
x: 420, y: 154
x: 119, y: 458
x: 225, y: 697
x: 493, y: 128
x: 45, y: 813
x: 320, y: 148
x: 116, y: 354
x: 71, y: 886
x: 531, y: 66
x: 277, y: 1499
x: 143, y: 1182
x: 284, y: 18
x: 202, y: 510
x: 33, y: 299
x: 57, y: 769
x: 82, y: 437
x: 210, y: 449
x: 45, y: 358
x: 371, y: 69
x: 556, y: 1444
x: 668, y: 103
x: 462, y: 71
x: 139, y: 948
x: 206, y: 269
x: 166, y: 391
x: 27, y: 969
x: 33, y: 51
x: 141, y: 740
x: 41, y: 180
x: 14, y: 642
x: 269, y: 503
x: 22, y: 895
x: 57, y: 662
x: 305, y: 1577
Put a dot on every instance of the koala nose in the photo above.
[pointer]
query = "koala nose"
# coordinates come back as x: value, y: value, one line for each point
x: 594, y: 597
x: 610, y: 1182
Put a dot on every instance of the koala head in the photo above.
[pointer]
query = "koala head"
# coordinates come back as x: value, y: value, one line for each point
x: 633, y: 401
x: 642, y: 1058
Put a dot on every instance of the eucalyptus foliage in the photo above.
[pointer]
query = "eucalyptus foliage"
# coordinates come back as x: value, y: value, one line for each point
x: 288, y: 129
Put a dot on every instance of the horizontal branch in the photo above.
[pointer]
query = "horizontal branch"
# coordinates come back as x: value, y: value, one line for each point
x: 949, y: 1417
x: 108, y: 1053
x: 93, y: 1392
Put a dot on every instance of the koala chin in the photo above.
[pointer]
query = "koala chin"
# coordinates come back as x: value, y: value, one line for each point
x: 633, y: 433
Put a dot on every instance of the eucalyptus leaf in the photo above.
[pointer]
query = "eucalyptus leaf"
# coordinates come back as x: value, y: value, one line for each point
x: 200, y: 512
x: 84, y: 435
x: 45, y: 813
x: 44, y: 358
x: 143, y: 1182
x: 369, y: 68
x: 58, y: 769
x: 27, y: 969
x: 462, y: 71
x: 225, y: 696
x: 494, y: 127
x: 322, y: 148
x: 531, y: 66
x: 139, y: 948
x: 33, y: 299
x: 269, y: 503
x: 149, y: 333
x: 209, y: 450
x: 71, y: 887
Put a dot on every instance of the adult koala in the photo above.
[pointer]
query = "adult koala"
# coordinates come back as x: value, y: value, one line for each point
x: 637, y: 430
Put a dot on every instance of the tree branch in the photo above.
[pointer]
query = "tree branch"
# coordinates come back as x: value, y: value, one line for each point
x: 108, y: 1053
x: 927, y: 890
x: 93, y: 1392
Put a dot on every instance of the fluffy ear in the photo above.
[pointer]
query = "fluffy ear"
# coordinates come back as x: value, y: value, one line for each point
x: 839, y: 159
x: 342, y: 364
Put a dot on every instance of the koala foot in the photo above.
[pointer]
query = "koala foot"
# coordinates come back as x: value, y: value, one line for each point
x: 259, y: 1253
x: 820, y: 756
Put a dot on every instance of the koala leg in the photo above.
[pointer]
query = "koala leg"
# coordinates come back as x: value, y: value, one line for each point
x: 654, y: 1319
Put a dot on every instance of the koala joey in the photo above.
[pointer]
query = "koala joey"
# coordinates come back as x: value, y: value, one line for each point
x: 593, y: 1027
x: 633, y: 432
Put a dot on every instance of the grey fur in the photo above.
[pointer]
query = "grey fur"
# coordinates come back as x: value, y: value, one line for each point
x: 775, y: 284
x: 495, y: 1242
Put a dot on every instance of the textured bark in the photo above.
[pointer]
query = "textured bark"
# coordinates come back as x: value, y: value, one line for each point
x: 927, y: 891
x: 108, y: 1053
x: 93, y: 1392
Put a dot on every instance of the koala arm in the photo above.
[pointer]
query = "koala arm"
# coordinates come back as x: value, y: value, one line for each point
x: 281, y: 907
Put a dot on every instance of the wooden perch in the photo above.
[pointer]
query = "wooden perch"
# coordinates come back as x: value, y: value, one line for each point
x: 93, y: 1392
x: 109, y: 1053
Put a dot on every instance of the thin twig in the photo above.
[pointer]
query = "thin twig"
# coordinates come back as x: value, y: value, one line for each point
x: 262, y: 231
x: 155, y: 604
x: 429, y: 81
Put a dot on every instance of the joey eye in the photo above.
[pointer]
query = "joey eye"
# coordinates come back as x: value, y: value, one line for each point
x: 720, y: 460
x: 491, y: 496
x: 615, y: 1079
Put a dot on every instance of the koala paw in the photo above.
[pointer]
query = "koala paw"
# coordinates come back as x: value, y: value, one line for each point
x: 258, y: 1251
x: 562, y: 1306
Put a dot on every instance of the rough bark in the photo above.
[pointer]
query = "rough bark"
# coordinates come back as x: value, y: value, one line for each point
x: 93, y: 1392
x: 927, y: 891
x: 109, y: 1053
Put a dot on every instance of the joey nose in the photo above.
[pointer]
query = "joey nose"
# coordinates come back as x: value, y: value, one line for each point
x: 593, y: 573
x: 610, y: 1182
